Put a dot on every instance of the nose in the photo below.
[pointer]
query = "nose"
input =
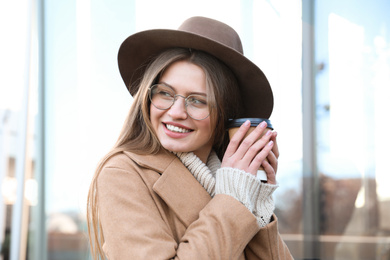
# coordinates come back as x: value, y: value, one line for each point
x: 178, y: 109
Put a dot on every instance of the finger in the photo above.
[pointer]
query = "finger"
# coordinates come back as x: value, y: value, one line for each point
x: 260, y: 157
x: 275, y: 149
x: 237, y: 138
x: 271, y: 175
x: 272, y: 160
x: 252, y: 141
x: 252, y: 151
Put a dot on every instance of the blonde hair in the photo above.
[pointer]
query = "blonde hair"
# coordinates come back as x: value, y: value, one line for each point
x: 137, y: 134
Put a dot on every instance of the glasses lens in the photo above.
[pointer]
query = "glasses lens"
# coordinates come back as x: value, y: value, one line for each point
x: 161, y: 96
x: 197, y: 107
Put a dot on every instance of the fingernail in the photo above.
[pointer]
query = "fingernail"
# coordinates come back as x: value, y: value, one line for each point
x: 268, y: 132
x: 247, y: 122
x: 263, y: 124
x: 270, y: 143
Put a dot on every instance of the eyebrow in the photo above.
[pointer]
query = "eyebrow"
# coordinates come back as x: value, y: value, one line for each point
x: 188, y: 93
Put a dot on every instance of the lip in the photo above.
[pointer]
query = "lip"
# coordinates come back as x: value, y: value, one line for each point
x: 176, y: 134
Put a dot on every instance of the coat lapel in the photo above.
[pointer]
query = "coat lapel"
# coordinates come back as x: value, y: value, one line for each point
x: 177, y: 186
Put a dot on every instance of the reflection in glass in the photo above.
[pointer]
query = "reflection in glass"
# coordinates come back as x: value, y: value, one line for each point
x: 352, y: 144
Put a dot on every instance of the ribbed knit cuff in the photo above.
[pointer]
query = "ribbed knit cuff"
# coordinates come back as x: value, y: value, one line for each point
x: 249, y: 190
x: 265, y: 205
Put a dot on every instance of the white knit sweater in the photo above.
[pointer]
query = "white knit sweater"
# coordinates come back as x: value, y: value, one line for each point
x: 243, y: 186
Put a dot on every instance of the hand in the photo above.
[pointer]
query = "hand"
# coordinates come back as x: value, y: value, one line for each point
x: 249, y: 153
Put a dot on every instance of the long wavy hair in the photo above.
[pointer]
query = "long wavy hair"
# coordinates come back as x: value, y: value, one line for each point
x: 138, y: 136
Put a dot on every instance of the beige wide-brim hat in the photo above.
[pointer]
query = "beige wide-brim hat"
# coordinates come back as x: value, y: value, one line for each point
x: 208, y: 35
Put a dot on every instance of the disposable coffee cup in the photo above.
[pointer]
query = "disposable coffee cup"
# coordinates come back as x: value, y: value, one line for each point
x: 234, y: 125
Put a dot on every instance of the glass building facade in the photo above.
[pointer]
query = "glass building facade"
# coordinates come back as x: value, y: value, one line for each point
x: 63, y: 102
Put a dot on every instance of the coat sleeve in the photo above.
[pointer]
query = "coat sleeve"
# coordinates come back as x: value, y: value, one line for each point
x: 134, y: 227
x: 267, y: 244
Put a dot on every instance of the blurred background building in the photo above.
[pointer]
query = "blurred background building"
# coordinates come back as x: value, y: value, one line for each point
x: 62, y: 104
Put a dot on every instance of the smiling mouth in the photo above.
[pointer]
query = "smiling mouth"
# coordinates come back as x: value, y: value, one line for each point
x: 177, y: 129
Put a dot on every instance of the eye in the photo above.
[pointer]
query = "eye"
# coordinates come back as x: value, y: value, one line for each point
x: 162, y: 92
x: 197, y: 101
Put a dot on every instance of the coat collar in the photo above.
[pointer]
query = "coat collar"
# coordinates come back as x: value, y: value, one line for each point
x: 176, y: 186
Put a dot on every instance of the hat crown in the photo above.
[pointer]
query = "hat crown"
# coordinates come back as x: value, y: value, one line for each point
x: 213, y: 30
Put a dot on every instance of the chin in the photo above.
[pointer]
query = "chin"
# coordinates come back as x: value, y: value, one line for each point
x: 175, y: 149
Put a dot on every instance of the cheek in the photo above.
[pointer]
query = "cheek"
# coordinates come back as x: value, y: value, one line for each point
x: 209, y: 128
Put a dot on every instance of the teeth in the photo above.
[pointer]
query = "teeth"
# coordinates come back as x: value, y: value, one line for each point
x: 177, y: 129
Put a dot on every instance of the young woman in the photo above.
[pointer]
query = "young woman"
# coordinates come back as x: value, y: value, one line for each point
x: 174, y: 186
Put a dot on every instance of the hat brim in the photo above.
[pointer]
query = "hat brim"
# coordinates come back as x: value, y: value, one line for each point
x: 139, y: 48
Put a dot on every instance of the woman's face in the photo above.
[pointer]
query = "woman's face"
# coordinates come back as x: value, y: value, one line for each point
x: 177, y: 131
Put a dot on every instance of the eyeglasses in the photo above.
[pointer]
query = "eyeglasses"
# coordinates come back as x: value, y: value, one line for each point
x: 163, y: 97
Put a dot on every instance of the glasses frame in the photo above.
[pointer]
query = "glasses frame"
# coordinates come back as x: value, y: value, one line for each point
x: 174, y: 100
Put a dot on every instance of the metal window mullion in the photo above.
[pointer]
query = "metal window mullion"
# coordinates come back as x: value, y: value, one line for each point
x: 39, y: 248
x: 311, y: 227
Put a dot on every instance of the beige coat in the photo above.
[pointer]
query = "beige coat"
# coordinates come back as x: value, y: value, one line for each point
x: 151, y: 207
